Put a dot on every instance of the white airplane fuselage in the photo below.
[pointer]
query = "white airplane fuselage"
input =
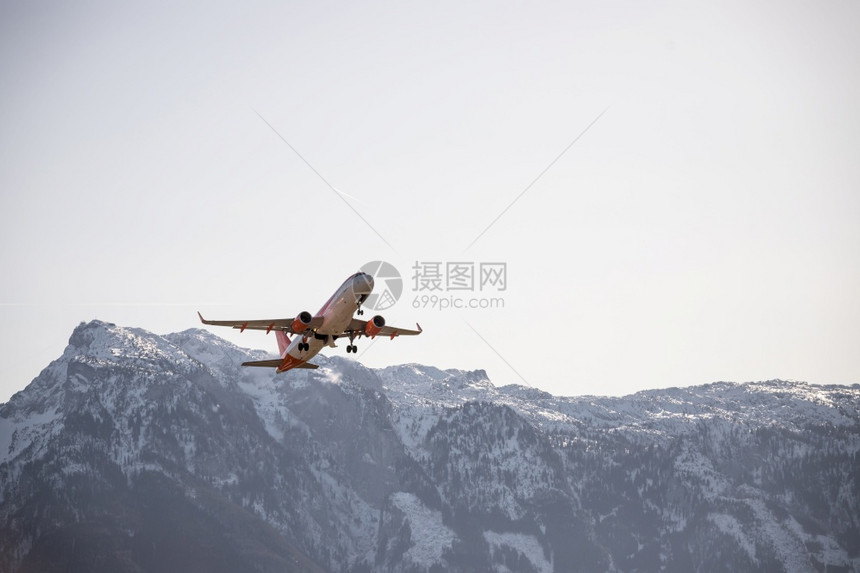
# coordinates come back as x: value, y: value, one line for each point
x: 337, y: 313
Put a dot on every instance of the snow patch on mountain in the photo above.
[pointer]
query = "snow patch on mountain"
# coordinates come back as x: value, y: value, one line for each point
x: 526, y: 545
x: 733, y: 528
x: 430, y: 536
x: 359, y: 517
x: 262, y: 390
x: 16, y: 435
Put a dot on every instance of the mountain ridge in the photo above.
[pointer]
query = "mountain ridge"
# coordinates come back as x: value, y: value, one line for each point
x: 411, y: 467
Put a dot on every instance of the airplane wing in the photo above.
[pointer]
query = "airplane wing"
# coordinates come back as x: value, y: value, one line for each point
x: 285, y: 324
x: 358, y: 326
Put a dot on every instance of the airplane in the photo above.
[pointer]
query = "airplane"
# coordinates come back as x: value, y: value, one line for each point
x: 334, y: 320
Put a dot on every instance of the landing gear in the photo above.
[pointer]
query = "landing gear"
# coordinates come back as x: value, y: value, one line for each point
x: 303, y: 346
x: 360, y: 311
x: 351, y: 348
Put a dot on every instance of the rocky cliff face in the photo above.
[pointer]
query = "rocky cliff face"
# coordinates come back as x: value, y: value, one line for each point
x: 135, y: 452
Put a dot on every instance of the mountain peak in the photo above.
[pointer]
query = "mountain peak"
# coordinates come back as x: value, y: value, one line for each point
x: 88, y: 332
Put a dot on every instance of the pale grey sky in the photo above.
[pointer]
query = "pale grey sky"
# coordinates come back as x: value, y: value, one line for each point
x: 704, y: 228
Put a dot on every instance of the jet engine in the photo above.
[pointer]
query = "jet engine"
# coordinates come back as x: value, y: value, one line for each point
x: 301, y: 322
x: 374, y: 326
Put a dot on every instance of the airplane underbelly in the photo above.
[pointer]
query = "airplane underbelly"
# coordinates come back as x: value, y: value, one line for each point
x: 314, y: 346
x: 338, y: 317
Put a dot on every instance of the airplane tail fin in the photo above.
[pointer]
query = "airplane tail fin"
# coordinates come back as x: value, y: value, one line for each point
x: 283, y: 342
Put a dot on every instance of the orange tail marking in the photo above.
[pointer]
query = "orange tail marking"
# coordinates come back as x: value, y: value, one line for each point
x: 283, y: 342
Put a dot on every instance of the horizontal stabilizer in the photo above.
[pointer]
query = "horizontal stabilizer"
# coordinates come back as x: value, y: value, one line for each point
x: 277, y: 362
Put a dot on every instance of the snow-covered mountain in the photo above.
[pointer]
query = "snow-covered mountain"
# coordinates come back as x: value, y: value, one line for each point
x: 134, y: 451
